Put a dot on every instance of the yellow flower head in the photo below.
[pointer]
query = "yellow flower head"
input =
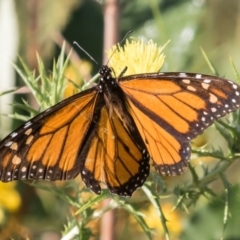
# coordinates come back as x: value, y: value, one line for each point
x: 9, y: 198
x: 175, y: 221
x: 137, y: 56
x: 75, y: 74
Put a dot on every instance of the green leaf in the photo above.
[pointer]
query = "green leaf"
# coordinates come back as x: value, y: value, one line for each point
x: 210, y: 64
x: 235, y: 71
x: 105, y: 194
x: 227, y: 202
x: 154, y: 199
x: 139, y: 218
x: 12, y: 90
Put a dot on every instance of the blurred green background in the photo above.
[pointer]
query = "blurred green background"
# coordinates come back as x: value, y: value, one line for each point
x: 28, y: 27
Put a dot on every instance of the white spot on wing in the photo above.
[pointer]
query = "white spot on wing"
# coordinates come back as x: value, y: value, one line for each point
x: 198, y: 76
x: 182, y: 74
x: 14, y: 134
x: 206, y: 80
x: 8, y: 144
x: 234, y: 86
x: 27, y: 124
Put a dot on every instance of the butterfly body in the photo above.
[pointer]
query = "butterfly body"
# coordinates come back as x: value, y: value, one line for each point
x: 109, y: 132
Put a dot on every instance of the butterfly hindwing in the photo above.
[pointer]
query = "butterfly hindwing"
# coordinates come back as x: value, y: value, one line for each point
x: 112, y: 156
x: 170, y: 109
x: 170, y: 156
x: 47, y: 146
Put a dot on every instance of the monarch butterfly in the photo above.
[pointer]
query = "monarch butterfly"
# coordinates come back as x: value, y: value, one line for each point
x: 109, y: 132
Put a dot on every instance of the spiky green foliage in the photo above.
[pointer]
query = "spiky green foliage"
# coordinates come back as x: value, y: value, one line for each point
x: 185, y: 195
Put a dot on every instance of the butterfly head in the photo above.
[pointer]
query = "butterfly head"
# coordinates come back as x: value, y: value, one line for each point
x: 105, y: 72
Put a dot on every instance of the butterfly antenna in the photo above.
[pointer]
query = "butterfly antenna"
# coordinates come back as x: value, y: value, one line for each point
x: 86, y: 52
x: 129, y: 32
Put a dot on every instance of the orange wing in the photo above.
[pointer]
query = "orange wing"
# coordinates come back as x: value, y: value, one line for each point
x: 114, y: 155
x: 170, y: 109
x: 47, y: 146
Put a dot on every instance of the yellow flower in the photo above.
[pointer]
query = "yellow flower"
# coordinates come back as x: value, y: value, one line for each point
x: 137, y: 56
x: 75, y: 74
x: 174, y: 221
x: 9, y: 197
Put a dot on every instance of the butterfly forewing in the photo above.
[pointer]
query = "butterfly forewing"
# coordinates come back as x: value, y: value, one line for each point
x: 170, y: 109
x: 47, y: 147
